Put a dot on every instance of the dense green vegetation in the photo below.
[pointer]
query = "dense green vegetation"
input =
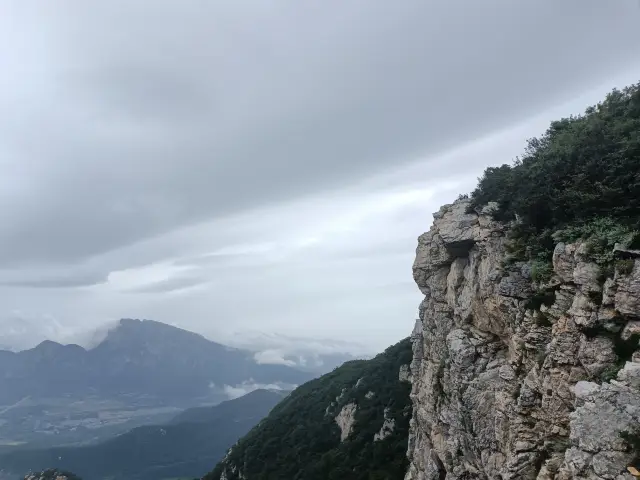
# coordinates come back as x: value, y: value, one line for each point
x: 300, y: 439
x: 579, y: 180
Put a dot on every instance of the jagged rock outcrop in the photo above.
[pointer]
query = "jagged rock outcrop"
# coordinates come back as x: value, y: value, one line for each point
x: 515, y: 380
x: 345, y: 420
x: 387, y: 427
x: 405, y: 374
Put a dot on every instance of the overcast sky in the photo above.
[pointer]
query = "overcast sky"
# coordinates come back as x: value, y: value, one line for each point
x: 264, y: 167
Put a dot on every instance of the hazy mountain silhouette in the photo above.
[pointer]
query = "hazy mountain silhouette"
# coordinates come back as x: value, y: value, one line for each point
x: 137, y: 357
x: 143, y: 372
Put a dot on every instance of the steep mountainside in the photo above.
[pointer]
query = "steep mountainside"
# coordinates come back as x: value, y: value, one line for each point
x: 249, y: 405
x: 349, y: 424
x: 141, y: 373
x: 525, y: 356
x: 185, y: 447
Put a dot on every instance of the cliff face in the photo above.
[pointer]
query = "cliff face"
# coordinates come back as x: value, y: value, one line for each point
x: 515, y: 380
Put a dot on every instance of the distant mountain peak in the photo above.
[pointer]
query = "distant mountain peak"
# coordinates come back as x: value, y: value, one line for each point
x: 145, y: 326
x: 50, y: 346
x: 139, y: 357
x: 136, y: 333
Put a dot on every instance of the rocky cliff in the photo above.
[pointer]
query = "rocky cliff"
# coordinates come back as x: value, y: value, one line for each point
x: 518, y: 380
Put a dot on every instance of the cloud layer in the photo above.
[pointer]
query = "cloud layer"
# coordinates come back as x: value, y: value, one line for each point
x: 267, y: 168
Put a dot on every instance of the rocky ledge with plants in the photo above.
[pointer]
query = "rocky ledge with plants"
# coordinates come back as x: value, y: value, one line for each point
x: 525, y: 356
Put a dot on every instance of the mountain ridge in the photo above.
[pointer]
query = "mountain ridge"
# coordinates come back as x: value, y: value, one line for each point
x: 141, y: 372
x: 132, y: 348
x: 124, y: 327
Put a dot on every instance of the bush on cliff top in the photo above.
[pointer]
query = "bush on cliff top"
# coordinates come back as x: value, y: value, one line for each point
x: 582, y: 168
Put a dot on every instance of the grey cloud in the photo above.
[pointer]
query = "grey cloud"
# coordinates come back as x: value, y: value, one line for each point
x: 219, y: 260
x: 61, y: 282
x: 151, y: 94
x: 291, y: 344
x: 20, y: 330
x: 195, y: 128
x: 168, y: 285
x: 191, y: 111
x: 69, y: 277
x: 235, y: 391
x: 272, y: 357
x: 366, y: 252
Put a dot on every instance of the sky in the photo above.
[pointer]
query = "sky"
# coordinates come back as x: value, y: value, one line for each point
x: 259, y: 171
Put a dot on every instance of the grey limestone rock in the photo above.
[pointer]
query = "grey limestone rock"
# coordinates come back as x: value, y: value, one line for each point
x: 501, y: 391
x: 345, y: 420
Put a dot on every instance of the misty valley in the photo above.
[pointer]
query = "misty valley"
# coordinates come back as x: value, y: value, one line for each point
x: 149, y: 402
x: 142, y: 373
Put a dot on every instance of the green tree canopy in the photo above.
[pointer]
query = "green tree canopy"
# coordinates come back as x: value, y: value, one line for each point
x: 582, y: 168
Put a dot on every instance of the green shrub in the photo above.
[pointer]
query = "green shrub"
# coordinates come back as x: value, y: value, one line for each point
x: 539, y: 298
x: 606, y: 271
x: 596, y: 297
x: 543, y: 320
x: 625, y: 267
x: 601, y: 235
x: 541, y: 271
x: 611, y: 372
x: 582, y: 176
x: 633, y: 446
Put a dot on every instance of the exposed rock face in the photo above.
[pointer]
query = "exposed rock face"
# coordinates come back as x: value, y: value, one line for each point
x: 387, y: 427
x: 345, y: 420
x: 405, y: 374
x: 505, y: 387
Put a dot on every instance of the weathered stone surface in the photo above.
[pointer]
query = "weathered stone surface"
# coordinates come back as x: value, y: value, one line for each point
x: 345, y: 420
x: 630, y: 374
x: 515, y: 285
x: 603, y: 413
x: 404, y: 375
x: 455, y: 225
x: 564, y: 262
x: 572, y: 264
x: 387, y: 428
x: 631, y: 328
x: 502, y: 392
x: 627, y: 298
